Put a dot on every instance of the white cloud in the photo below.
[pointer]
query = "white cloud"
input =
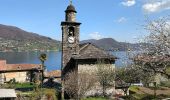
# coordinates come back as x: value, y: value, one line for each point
x: 96, y: 35
x: 128, y: 3
x: 121, y: 20
x: 156, y: 6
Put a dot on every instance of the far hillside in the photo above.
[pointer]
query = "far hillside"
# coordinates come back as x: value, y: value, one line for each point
x: 113, y: 45
x: 15, y: 39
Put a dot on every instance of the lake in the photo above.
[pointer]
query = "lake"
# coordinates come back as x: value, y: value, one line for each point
x: 54, y: 58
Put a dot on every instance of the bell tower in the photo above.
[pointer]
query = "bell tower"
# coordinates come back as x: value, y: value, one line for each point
x: 70, y: 35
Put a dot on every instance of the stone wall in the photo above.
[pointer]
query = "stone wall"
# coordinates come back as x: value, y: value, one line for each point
x: 91, y: 70
x: 19, y: 76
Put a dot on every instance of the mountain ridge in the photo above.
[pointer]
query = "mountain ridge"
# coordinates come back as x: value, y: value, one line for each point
x: 13, y: 38
x: 113, y: 45
x: 16, y: 39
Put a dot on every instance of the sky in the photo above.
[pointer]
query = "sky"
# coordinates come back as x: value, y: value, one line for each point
x: 122, y: 20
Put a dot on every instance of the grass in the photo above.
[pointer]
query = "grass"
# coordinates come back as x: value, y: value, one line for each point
x: 95, y: 98
x: 24, y: 85
x: 134, y: 89
x: 165, y: 84
x: 138, y: 94
x: 51, y: 94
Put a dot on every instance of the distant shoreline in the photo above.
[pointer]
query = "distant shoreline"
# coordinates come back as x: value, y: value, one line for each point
x: 32, y: 51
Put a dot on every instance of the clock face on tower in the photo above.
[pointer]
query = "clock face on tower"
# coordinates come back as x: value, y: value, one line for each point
x: 71, y: 39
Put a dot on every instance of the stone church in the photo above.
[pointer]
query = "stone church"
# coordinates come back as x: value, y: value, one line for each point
x: 76, y: 56
x: 79, y: 57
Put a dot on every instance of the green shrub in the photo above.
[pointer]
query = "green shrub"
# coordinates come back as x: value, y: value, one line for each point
x: 165, y: 84
x: 24, y: 85
x: 50, y: 94
x: 95, y: 98
x: 134, y: 88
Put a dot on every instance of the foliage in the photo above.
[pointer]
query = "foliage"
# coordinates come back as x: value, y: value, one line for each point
x: 17, y: 85
x: 156, y: 56
x: 142, y: 93
x: 165, y: 84
x: 134, y: 88
x: 132, y: 74
x: 24, y: 85
x: 77, y: 84
x: 128, y: 74
x: 50, y: 94
x: 43, y: 58
x: 95, y: 98
x: 105, y: 75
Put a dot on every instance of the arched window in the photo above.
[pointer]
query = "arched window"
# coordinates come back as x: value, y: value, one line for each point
x: 71, y: 31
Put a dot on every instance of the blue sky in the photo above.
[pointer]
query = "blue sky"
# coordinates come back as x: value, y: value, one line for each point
x: 118, y: 19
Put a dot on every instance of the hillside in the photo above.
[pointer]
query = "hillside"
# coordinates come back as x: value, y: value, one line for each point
x: 16, y: 39
x: 111, y: 44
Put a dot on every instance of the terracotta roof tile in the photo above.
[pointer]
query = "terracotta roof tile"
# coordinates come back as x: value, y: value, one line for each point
x: 2, y: 64
x: 13, y: 67
x: 54, y: 73
x: 22, y: 66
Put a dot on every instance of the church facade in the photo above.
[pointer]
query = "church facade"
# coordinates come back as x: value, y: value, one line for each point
x: 79, y: 57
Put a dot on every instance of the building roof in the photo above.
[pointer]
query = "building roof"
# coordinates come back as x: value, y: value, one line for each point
x: 23, y: 66
x: 54, y: 73
x: 90, y: 51
x: 18, y: 67
x: 7, y: 93
x: 120, y: 84
x: 2, y: 64
x: 70, y: 8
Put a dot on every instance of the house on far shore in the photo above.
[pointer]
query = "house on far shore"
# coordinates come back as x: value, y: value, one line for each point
x: 19, y: 72
x: 7, y: 94
x: 55, y: 74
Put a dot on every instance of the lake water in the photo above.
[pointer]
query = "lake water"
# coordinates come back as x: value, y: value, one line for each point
x: 54, y: 58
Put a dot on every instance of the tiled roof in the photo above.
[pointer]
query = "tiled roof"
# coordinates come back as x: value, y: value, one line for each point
x: 16, y: 67
x: 23, y: 66
x: 2, y: 64
x: 7, y: 93
x: 121, y: 84
x: 54, y: 73
x: 90, y: 51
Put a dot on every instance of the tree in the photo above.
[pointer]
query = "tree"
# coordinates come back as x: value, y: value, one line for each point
x: 78, y: 84
x: 43, y: 58
x: 128, y: 74
x: 133, y: 74
x: 36, y: 79
x: 105, y: 74
x: 155, y: 56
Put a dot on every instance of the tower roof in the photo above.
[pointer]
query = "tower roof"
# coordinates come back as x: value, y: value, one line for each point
x: 71, y: 8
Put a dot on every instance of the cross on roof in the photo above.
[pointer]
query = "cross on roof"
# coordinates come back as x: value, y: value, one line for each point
x: 71, y: 1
